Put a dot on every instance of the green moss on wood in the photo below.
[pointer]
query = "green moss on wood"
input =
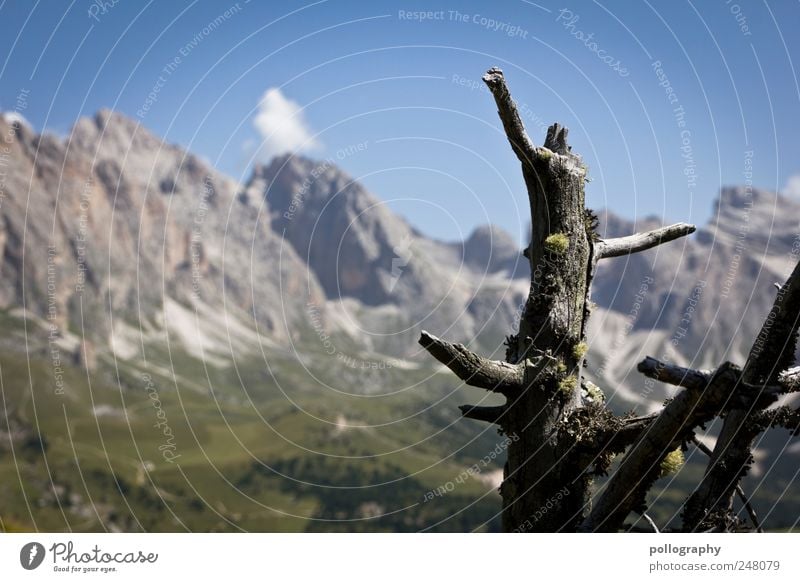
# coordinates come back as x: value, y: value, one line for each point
x: 580, y: 350
x: 672, y: 462
x: 567, y: 385
x: 557, y: 243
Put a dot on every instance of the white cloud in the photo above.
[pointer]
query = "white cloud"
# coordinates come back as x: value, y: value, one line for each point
x: 282, y: 126
x: 792, y: 187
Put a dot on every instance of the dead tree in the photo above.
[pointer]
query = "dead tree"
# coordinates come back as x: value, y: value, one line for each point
x: 564, y: 436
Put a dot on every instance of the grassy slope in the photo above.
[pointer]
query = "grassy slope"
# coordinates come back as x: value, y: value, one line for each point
x: 263, y: 447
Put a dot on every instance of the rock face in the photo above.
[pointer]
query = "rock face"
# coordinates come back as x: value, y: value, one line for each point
x: 380, y: 274
x: 111, y: 230
x: 490, y: 249
x: 348, y: 237
x: 111, y: 227
x: 117, y: 234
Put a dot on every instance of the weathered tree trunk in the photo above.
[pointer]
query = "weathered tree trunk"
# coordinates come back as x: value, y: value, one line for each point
x: 540, y: 460
x: 548, y: 474
x: 560, y: 432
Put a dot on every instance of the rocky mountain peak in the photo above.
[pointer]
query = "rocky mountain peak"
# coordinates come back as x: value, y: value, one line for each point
x: 299, y: 185
x: 111, y: 134
x: 348, y: 237
x: 490, y: 249
x: 760, y: 220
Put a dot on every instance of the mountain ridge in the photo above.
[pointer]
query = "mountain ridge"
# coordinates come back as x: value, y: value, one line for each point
x: 214, y: 243
x: 130, y: 268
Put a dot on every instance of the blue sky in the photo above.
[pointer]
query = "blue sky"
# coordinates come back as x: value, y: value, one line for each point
x: 396, y: 100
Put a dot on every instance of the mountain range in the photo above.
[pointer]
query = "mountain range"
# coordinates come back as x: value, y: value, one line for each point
x: 276, y: 322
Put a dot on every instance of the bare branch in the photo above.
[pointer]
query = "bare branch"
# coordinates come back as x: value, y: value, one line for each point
x: 617, y: 247
x: 650, y: 521
x: 774, y: 348
x: 675, y: 375
x: 758, y: 396
x: 507, y: 110
x: 749, y: 508
x: 783, y: 416
x: 491, y: 414
x: 621, y: 438
x: 772, y: 353
x: 640, y: 466
x: 473, y: 369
